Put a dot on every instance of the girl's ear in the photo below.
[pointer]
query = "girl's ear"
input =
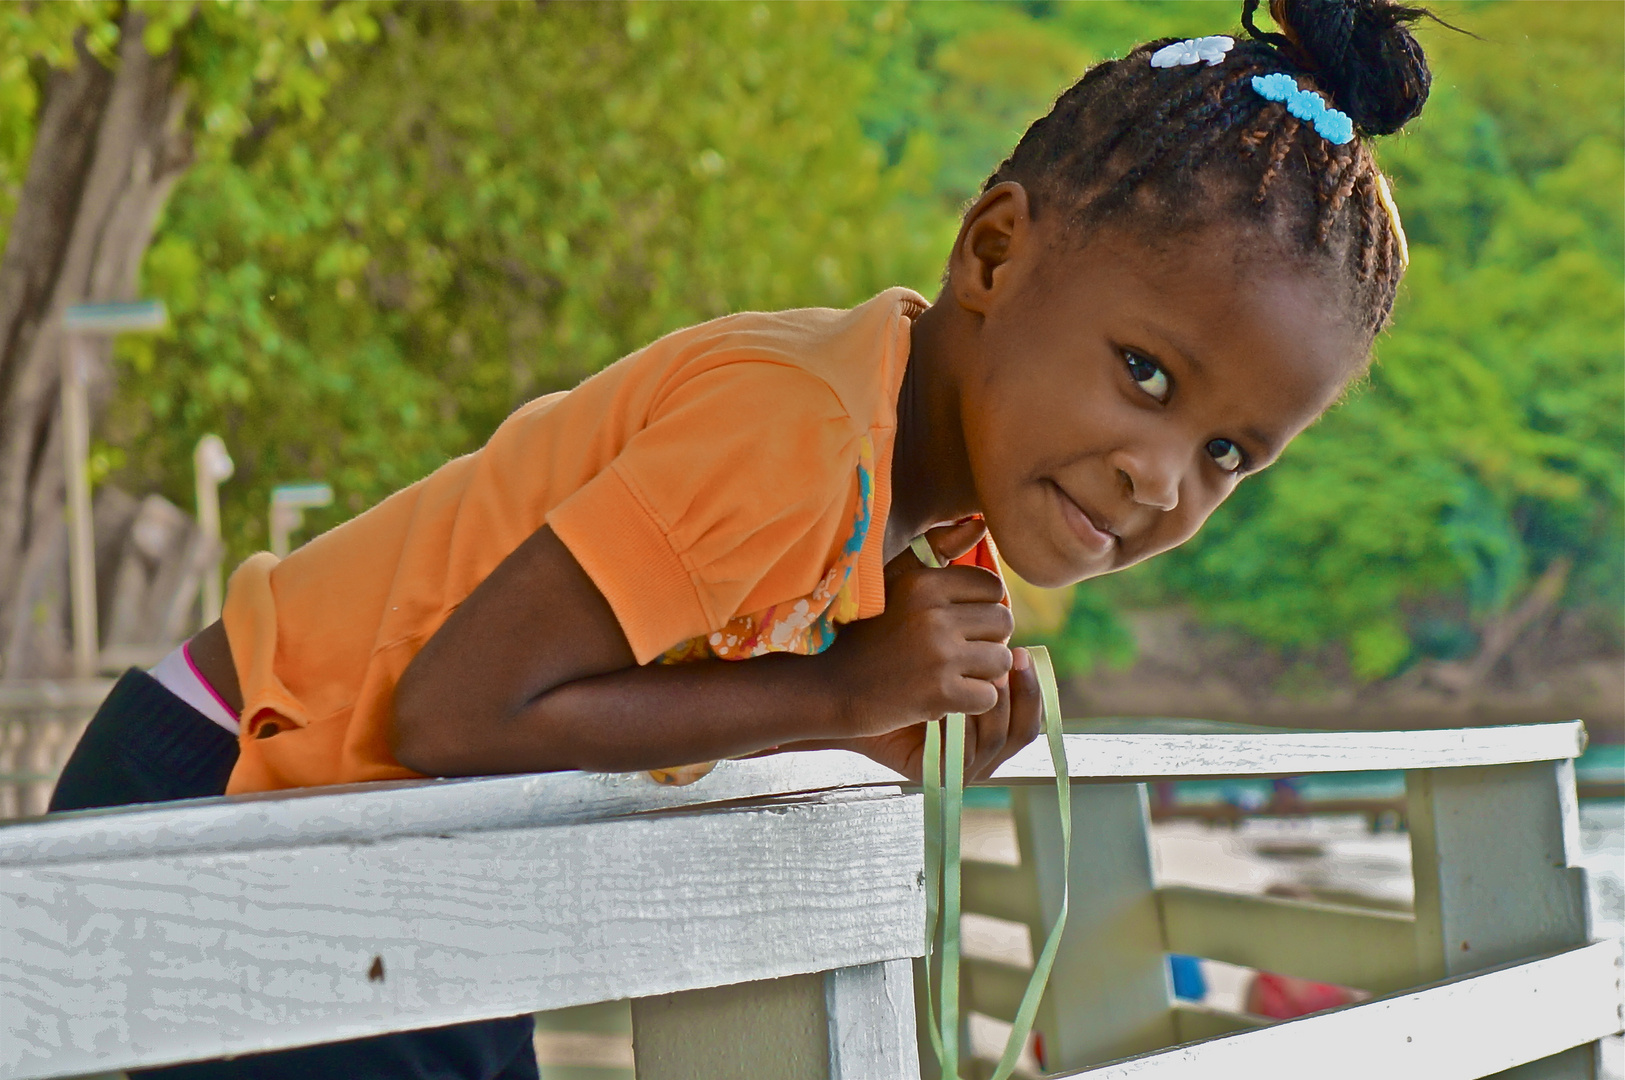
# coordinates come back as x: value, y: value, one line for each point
x: 995, y: 230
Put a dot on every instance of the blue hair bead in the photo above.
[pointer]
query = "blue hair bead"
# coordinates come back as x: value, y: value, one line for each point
x: 1276, y: 87
x: 1335, y: 127
x: 1332, y: 125
x: 1306, y: 107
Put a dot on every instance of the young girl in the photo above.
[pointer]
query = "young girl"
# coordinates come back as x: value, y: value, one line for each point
x: 1178, y: 269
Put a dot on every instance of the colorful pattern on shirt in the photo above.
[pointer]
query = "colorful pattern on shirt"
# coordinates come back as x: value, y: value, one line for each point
x: 806, y: 625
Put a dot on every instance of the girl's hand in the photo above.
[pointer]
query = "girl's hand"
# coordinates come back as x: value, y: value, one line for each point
x: 991, y: 739
x: 939, y: 647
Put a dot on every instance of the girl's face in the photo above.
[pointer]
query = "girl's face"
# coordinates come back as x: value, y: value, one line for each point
x: 1113, y: 396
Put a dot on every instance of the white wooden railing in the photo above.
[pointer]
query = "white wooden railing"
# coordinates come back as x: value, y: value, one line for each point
x: 764, y: 920
x: 40, y: 723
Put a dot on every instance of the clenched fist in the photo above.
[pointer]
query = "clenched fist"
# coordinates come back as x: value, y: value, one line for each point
x: 941, y: 646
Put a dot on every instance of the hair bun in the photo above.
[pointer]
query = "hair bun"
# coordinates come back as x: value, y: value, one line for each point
x: 1360, y: 52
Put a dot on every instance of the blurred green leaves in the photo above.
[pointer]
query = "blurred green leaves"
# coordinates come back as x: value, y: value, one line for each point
x: 1489, y: 438
x: 496, y: 201
x: 406, y: 219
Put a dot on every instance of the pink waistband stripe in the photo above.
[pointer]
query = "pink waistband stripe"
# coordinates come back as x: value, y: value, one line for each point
x: 178, y: 674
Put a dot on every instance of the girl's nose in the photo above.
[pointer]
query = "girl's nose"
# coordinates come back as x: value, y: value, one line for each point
x: 1149, y: 481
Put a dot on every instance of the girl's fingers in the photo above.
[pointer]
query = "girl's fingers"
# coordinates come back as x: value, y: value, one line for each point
x: 952, y: 541
x: 985, y: 736
x: 986, y: 660
x: 984, y: 621
x: 974, y: 697
x: 1026, y: 709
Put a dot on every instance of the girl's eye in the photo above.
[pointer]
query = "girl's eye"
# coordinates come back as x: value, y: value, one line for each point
x: 1147, y: 375
x: 1226, y: 454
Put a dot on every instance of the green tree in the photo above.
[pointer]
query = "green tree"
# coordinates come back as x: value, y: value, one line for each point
x: 101, y: 108
x: 1487, y: 441
x: 499, y: 200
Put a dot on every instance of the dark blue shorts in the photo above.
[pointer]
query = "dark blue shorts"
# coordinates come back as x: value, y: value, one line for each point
x: 147, y: 745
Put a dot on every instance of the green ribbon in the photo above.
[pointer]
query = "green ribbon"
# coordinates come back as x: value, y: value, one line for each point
x: 944, y: 791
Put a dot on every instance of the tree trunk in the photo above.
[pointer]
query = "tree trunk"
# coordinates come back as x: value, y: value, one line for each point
x: 108, y: 149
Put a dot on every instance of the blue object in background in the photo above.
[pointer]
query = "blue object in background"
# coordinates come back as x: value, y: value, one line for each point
x: 1189, y: 982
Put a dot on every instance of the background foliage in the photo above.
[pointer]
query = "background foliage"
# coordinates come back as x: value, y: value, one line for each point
x: 1488, y: 440
x: 408, y: 218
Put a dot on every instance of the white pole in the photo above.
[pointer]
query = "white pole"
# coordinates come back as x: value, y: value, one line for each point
x: 284, y: 520
x: 81, y: 536
x: 79, y: 321
x: 288, y: 505
x: 211, y: 466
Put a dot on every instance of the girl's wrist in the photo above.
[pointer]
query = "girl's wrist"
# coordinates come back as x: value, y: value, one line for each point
x: 840, y: 696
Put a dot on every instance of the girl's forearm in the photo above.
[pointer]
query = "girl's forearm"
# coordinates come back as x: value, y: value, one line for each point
x: 658, y: 715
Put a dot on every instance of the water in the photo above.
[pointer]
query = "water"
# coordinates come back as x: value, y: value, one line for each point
x: 1600, y: 763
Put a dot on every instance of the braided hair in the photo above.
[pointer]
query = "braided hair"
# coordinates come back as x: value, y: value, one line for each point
x: 1166, y: 150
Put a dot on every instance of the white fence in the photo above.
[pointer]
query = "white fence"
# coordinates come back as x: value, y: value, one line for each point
x: 764, y: 920
x: 40, y: 723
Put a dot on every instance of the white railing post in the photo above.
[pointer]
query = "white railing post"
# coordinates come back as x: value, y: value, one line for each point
x: 211, y: 467
x: 1108, y: 993
x: 853, y: 1023
x: 870, y: 1010
x: 1493, y: 851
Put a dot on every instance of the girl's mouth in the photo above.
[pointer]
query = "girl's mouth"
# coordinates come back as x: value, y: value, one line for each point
x: 1097, y: 539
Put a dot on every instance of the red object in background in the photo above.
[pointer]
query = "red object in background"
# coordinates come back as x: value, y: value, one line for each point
x: 1282, y: 997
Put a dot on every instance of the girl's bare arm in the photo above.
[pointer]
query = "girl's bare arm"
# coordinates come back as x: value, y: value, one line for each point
x: 532, y: 673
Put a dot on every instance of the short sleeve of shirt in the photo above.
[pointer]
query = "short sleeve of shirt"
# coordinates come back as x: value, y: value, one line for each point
x: 730, y: 498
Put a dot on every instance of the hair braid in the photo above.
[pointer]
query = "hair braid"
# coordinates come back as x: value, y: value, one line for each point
x: 1348, y: 171
x: 1172, y: 148
x: 1369, y: 208
x: 1228, y: 103
x: 1279, y: 147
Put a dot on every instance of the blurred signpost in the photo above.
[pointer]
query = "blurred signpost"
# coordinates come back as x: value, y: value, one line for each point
x: 211, y: 466
x: 80, y: 322
x: 288, y: 505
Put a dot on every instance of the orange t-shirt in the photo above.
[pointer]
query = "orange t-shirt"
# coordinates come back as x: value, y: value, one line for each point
x: 726, y: 488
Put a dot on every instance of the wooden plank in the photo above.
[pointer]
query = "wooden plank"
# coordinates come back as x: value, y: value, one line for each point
x: 602, y: 1017
x: 158, y: 959
x: 871, y: 1022
x: 774, y: 1028
x: 991, y: 988
x: 1223, y: 813
x: 1494, y: 852
x: 597, y: 1050
x: 53, y: 695
x: 1108, y: 993
x: 364, y: 813
x: 1365, y: 949
x: 1154, y: 755
x: 853, y: 1023
x: 596, y: 1036
x: 1193, y: 1023
x: 1462, y: 1029
x: 1005, y: 892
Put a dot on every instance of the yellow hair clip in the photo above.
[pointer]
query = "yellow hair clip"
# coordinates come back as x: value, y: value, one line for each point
x: 1386, y: 197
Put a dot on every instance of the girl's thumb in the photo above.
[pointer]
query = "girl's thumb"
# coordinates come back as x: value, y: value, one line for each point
x: 952, y: 541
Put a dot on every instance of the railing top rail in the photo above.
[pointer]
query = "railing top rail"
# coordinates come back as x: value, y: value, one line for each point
x: 49, y: 694
x: 1178, y: 752
x: 367, y: 813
